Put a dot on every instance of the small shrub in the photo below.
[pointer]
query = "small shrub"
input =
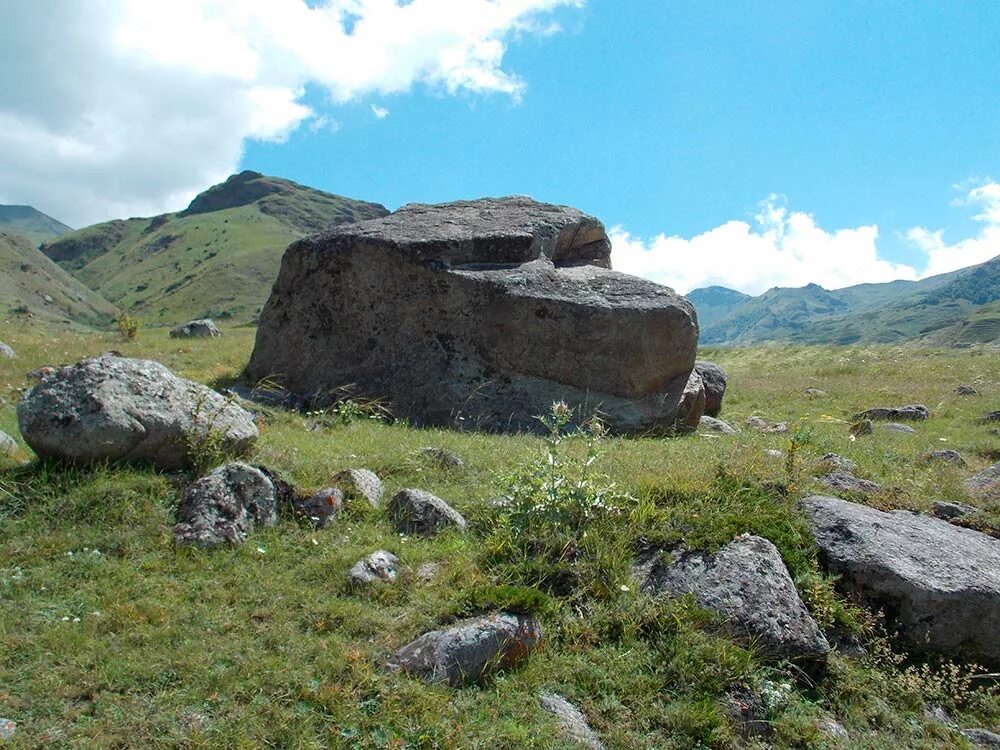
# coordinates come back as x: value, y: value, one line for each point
x: 127, y: 325
x: 205, y: 443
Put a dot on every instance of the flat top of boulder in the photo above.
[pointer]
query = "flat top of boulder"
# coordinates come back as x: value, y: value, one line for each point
x: 513, y: 229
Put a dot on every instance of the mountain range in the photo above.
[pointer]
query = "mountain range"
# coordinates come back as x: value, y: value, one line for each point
x: 219, y: 257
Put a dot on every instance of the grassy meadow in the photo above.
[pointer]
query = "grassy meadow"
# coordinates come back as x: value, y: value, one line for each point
x: 112, y: 638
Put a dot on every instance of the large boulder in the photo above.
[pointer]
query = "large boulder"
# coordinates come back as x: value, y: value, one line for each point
x: 225, y: 506
x: 938, y: 583
x: 469, y: 650
x: 748, y: 584
x: 715, y: 380
x: 478, y: 313
x: 114, y: 408
x: 196, y: 329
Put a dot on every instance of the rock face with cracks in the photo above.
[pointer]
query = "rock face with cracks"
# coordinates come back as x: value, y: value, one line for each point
x: 938, y: 583
x: 469, y: 650
x: 478, y: 314
x: 115, y: 408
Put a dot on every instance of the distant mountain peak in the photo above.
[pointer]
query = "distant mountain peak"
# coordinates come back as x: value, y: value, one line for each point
x: 31, y: 223
x: 238, y: 190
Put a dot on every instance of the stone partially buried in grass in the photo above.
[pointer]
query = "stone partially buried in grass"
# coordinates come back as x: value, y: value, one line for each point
x: 910, y: 412
x: 360, y: 484
x: 8, y: 446
x: 841, y: 481
x: 225, y: 506
x: 6, y: 352
x: 938, y: 583
x: 470, y: 650
x: 985, y: 482
x: 572, y: 723
x: 748, y: 584
x: 378, y: 567
x: 115, y: 408
x: 196, y: 329
x: 420, y: 512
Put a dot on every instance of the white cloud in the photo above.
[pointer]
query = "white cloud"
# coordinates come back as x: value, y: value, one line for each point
x: 124, y: 107
x: 780, y: 248
x: 942, y: 257
x: 380, y: 112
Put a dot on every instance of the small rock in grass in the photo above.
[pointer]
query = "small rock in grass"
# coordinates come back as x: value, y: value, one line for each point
x: 774, y: 453
x: 717, y: 425
x: 420, y: 512
x: 324, y: 506
x: 814, y: 392
x: 832, y: 729
x: 982, y: 737
x: 6, y: 351
x: 756, y: 423
x: 965, y: 390
x: 745, y: 709
x: 947, y: 456
x: 861, y: 428
x: 572, y: 723
x: 8, y: 729
x: 948, y: 511
x: 911, y: 412
x: 428, y: 571
x: 993, y: 416
x: 780, y: 427
x: 442, y: 457
x: 196, y: 329
x: 380, y: 566
x: 831, y: 461
x: 841, y: 481
x: 470, y: 650
x: 224, y: 507
x: 747, y: 583
x: 361, y: 484
x: 985, y: 482
x: 8, y: 446
x: 897, y: 427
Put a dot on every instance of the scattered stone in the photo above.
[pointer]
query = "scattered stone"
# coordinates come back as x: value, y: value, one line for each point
x: 692, y: 404
x: 717, y: 425
x: 225, y: 506
x: 196, y: 329
x: 831, y: 461
x: 780, y: 427
x: 938, y: 583
x: 746, y: 582
x: 478, y: 312
x: 841, y: 481
x: 965, y: 390
x: 572, y: 723
x: 861, y: 428
x: 982, y: 737
x: 715, y: 380
x: 420, y: 512
x: 468, y: 651
x: 8, y: 729
x: 832, y: 729
x: 897, y: 427
x: 774, y: 453
x: 442, y: 457
x: 6, y: 351
x: 378, y: 567
x: 757, y: 423
x: 428, y: 571
x: 985, y: 482
x: 911, y: 412
x: 114, y: 408
x: 814, y: 392
x: 947, y: 456
x: 949, y: 511
x: 8, y: 445
x: 360, y: 484
x: 993, y: 416
x: 322, y: 507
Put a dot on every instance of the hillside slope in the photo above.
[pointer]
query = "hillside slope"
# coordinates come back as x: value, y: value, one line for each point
x: 31, y: 223
x: 713, y: 303
x: 32, y: 284
x: 217, y: 258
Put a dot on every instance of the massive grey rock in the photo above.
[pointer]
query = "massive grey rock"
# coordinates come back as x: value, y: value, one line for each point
x: 746, y: 582
x: 938, y: 583
x: 8, y: 446
x: 572, y: 723
x: 420, y: 512
x: 128, y: 409
x: 196, y: 329
x: 6, y: 351
x: 225, y: 506
x: 380, y: 566
x: 361, y: 484
x: 469, y: 650
x: 478, y: 313
x: 715, y: 380
x: 985, y: 482
x: 911, y: 412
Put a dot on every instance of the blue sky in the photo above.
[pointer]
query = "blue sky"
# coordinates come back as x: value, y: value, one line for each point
x: 778, y: 142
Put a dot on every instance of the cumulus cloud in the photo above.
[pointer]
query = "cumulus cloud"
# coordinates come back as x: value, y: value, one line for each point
x: 127, y: 107
x: 942, y: 256
x: 780, y: 248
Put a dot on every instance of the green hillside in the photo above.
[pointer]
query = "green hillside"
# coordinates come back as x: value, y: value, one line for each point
x: 217, y: 258
x: 713, y: 303
x: 32, y: 285
x: 31, y: 223
x: 956, y: 307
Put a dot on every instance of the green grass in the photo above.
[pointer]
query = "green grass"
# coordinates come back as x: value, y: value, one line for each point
x: 266, y: 646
